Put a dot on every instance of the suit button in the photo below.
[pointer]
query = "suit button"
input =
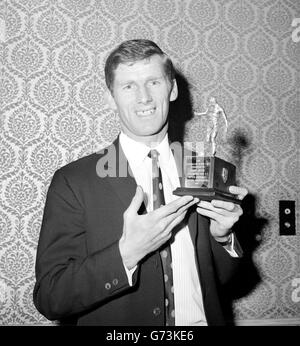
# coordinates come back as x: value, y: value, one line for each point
x: 107, y: 286
x: 115, y: 282
x: 156, y: 311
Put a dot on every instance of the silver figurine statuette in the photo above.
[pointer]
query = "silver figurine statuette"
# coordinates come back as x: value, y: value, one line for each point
x: 205, y: 175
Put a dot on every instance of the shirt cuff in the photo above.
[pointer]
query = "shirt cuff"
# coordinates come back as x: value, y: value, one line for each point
x: 234, y: 248
x: 129, y: 273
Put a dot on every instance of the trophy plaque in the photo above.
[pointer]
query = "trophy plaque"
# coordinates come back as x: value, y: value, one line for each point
x: 207, y: 176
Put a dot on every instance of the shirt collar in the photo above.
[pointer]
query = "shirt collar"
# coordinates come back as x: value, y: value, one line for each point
x: 136, y: 152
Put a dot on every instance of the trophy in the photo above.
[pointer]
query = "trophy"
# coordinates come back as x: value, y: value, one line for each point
x: 207, y: 176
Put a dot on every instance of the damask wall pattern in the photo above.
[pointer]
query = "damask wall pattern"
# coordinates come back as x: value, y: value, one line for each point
x: 53, y: 112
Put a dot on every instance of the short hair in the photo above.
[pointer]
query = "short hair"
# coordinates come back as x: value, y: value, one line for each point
x: 135, y: 50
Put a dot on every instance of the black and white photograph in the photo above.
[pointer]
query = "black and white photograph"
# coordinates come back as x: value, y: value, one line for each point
x: 150, y: 165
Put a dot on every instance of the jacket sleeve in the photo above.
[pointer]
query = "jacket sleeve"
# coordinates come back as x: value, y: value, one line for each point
x: 69, y: 280
x: 225, y: 265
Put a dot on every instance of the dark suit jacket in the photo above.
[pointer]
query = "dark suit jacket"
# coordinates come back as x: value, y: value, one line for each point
x: 79, y: 269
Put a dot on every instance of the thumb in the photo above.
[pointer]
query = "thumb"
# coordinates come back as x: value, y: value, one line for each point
x: 136, y: 201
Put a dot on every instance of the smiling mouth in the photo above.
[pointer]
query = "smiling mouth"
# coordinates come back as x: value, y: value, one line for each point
x: 145, y: 113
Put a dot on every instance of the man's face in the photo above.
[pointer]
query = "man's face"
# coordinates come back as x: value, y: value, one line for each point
x: 141, y: 93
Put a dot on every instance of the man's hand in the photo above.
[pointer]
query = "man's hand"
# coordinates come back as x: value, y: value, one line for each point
x: 143, y: 234
x: 223, y: 214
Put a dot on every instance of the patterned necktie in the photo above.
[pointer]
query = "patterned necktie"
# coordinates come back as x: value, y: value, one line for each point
x: 165, y: 251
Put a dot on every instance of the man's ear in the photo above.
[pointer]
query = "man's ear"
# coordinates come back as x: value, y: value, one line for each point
x: 109, y: 100
x: 174, y: 91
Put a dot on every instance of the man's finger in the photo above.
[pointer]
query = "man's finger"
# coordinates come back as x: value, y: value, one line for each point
x: 221, y: 207
x: 170, y: 218
x: 176, y: 221
x: 218, y: 206
x: 230, y: 206
x: 164, y: 222
x: 241, y: 192
x: 209, y: 213
x: 174, y: 206
x: 173, y: 222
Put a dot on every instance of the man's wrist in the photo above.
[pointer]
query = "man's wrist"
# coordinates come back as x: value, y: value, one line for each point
x: 226, y: 242
x: 128, y: 261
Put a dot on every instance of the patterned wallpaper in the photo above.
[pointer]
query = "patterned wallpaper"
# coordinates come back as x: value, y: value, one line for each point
x: 52, y: 112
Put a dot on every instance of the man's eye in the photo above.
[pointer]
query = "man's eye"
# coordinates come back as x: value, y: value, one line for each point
x: 154, y: 82
x: 127, y: 87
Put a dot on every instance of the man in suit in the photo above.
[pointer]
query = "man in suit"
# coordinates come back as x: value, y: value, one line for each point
x: 100, y: 253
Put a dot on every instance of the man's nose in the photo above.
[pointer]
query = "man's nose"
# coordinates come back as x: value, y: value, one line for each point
x: 144, y: 95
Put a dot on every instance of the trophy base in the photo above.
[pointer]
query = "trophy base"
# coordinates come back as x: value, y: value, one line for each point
x: 207, y: 194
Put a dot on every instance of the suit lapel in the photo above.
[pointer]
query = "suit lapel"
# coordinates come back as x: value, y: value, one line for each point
x: 124, y: 188
x: 123, y: 185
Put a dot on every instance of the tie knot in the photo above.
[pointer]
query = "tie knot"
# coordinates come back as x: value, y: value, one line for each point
x: 153, y: 154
